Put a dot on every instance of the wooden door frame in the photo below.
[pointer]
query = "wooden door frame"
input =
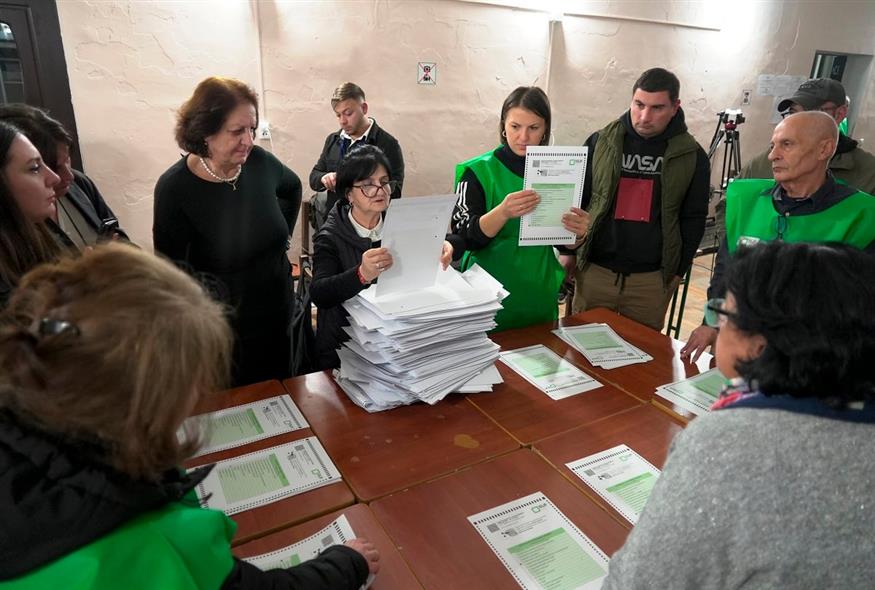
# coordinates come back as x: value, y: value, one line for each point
x: 54, y: 95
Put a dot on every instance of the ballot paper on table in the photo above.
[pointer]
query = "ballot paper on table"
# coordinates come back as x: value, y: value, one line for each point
x: 622, y: 477
x: 240, y: 425
x: 556, y: 173
x: 549, y: 372
x: 696, y: 394
x: 540, y: 547
x: 262, y: 477
x: 337, y: 532
x: 602, y: 346
x: 414, y: 232
x: 482, y: 382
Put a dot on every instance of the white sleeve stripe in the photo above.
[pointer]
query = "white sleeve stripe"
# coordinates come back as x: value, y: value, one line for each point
x: 460, y: 216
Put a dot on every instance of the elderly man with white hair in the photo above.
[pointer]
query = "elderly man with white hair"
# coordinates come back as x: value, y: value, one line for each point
x: 803, y: 203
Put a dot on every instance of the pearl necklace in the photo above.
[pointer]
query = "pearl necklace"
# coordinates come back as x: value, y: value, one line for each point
x: 232, y: 180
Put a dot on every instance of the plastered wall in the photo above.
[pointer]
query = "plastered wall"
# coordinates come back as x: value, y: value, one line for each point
x: 132, y: 63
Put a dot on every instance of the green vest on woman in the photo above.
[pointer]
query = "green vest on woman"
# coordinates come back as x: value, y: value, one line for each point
x: 531, y: 274
x: 180, y: 546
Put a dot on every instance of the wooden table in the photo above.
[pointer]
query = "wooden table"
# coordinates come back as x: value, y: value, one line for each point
x: 640, y: 380
x: 429, y: 523
x: 386, y: 452
x: 527, y: 413
x: 645, y: 429
x: 260, y: 521
x: 394, y: 571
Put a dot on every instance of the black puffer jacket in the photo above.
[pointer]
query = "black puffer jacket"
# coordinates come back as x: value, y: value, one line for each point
x: 337, y: 253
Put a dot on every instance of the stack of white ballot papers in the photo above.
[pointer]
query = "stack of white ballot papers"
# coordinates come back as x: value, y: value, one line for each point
x: 409, y: 346
x: 601, y: 346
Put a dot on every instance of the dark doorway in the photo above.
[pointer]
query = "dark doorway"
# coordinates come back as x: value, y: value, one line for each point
x: 32, y: 64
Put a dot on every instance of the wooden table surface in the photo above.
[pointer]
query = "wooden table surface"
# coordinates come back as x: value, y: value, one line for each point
x: 528, y: 413
x: 394, y: 572
x: 260, y: 521
x: 386, y: 452
x: 640, y: 380
x: 429, y: 523
x: 644, y: 429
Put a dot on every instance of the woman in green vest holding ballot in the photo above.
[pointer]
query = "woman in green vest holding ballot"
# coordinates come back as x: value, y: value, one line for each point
x: 102, y: 358
x: 491, y: 202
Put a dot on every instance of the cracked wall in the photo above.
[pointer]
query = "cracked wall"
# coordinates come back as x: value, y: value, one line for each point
x: 131, y: 65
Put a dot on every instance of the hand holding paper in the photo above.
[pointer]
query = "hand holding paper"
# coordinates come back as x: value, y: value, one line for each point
x: 374, y: 262
x: 446, y: 255
x: 368, y: 551
x: 576, y: 220
x: 519, y: 203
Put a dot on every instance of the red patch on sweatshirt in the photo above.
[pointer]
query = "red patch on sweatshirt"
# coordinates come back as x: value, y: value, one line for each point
x: 634, y: 199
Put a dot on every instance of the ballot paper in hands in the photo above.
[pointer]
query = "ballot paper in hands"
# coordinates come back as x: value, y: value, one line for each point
x: 556, y: 173
x: 337, y: 532
x: 602, y: 346
x: 414, y: 232
x: 424, y: 335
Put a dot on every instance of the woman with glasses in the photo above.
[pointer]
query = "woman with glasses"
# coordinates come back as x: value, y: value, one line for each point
x: 347, y: 257
x: 490, y: 204
x: 773, y: 488
x: 225, y: 211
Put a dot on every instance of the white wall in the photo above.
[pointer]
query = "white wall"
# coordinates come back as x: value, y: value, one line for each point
x: 131, y: 64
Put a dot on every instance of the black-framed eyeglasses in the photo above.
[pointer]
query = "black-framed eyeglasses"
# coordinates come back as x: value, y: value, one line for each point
x: 370, y: 190
x: 715, y: 315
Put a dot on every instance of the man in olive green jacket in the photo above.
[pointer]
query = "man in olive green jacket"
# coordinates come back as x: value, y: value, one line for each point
x: 646, y: 190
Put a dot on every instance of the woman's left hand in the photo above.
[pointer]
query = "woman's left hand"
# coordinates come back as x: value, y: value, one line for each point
x: 576, y: 221
x: 446, y: 254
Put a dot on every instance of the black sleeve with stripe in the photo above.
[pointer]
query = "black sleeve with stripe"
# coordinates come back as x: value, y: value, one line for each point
x: 470, y: 205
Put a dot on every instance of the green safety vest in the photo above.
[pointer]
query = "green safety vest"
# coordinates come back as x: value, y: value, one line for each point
x: 750, y: 212
x: 531, y: 274
x: 180, y: 547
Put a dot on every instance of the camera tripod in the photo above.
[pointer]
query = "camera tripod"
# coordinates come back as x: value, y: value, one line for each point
x: 729, y: 136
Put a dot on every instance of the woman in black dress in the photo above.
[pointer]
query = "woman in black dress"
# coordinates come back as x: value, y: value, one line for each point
x: 225, y: 210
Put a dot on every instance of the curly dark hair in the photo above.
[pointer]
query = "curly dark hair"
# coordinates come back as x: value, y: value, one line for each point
x: 205, y: 112
x: 815, y: 306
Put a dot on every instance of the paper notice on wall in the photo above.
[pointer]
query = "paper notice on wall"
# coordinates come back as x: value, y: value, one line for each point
x: 780, y: 86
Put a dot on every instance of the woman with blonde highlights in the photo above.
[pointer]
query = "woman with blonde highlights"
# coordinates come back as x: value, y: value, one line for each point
x: 101, y: 360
